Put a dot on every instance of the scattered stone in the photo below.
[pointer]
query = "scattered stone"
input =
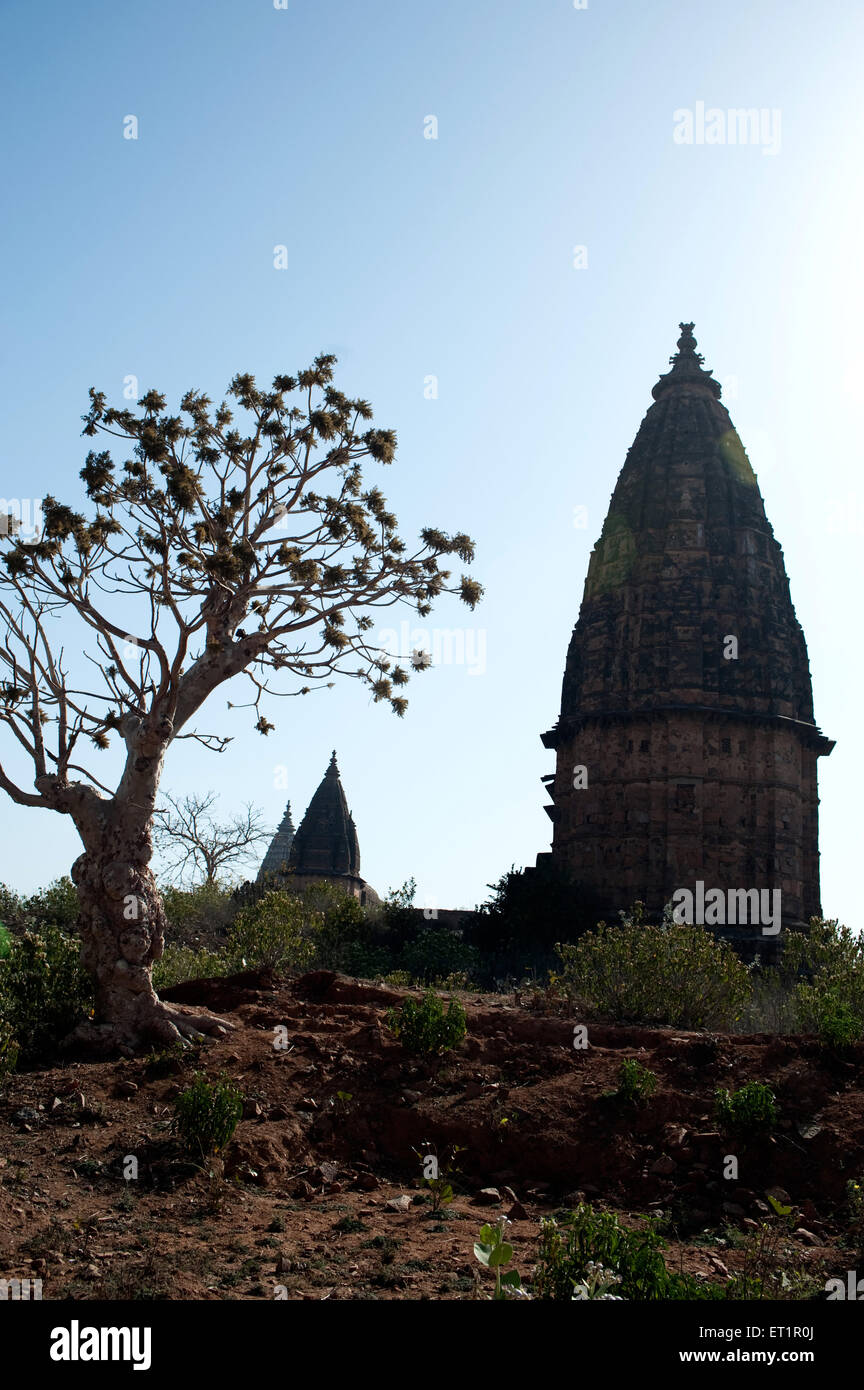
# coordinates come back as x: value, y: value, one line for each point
x: 307, y: 1103
x: 325, y: 1173
x: 277, y: 1112
x: 487, y: 1197
x: 718, y: 1264
x: 510, y: 1194
x: 126, y: 1088
x: 664, y: 1165
x: 779, y: 1194
x: 402, y: 1203
x: 733, y: 1209
x: 749, y: 1224
x: 517, y: 1212
x: 676, y: 1136
x: 367, y: 1182
x: 411, y: 1097
x: 807, y: 1236
x: 809, y: 1131
x: 251, y: 1109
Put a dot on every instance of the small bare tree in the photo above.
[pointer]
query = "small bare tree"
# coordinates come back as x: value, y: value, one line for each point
x: 218, y: 548
x: 195, y: 846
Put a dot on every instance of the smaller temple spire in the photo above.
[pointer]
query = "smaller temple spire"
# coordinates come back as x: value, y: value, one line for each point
x: 687, y: 369
x: 277, y: 858
x: 324, y: 846
x: 326, y: 841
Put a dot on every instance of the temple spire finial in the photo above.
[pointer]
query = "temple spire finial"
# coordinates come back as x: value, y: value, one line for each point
x: 687, y: 346
x: 687, y: 369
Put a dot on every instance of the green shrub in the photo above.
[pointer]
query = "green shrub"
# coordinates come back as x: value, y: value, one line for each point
x: 8, y: 1050
x: 180, y: 963
x: 277, y: 932
x: 424, y: 1027
x: 837, y: 1024
x: 528, y: 911
x: 194, y: 910
x: 752, y: 1109
x: 437, y: 953
x: 400, y: 978
x: 678, y: 975
x: 44, y: 989
x: 635, y: 1082
x: 570, y: 1251
x: 350, y: 938
x: 12, y: 911
x: 206, y: 1115
x: 5, y: 942
x: 823, y: 967
x: 58, y: 903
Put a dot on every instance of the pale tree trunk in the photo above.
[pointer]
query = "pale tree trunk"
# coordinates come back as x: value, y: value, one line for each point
x: 121, y: 920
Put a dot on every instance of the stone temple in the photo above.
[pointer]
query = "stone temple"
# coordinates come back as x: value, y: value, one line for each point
x: 686, y: 747
x: 324, y: 847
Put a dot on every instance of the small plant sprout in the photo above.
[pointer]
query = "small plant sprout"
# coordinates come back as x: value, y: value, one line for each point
x: 635, y: 1083
x: 493, y: 1251
x: 341, y: 1102
x: 438, y: 1171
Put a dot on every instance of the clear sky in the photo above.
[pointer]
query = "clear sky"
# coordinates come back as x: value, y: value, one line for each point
x: 410, y: 258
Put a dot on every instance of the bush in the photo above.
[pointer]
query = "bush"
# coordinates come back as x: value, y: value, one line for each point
x: 569, y: 1253
x: 836, y: 1022
x: 678, y: 975
x: 44, y: 989
x: 8, y: 1051
x: 208, y: 909
x: 277, y: 932
x: 424, y: 1027
x: 752, y: 1109
x: 58, y: 904
x: 825, y: 967
x: 635, y: 1082
x: 206, y: 1115
x: 5, y: 942
x: 437, y: 953
x: 529, y: 910
x: 179, y: 963
x: 349, y: 938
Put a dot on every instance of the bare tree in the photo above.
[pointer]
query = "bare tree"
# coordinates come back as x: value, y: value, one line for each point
x: 193, y: 843
x: 207, y: 554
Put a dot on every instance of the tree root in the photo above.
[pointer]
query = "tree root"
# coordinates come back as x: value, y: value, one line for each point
x: 153, y: 1021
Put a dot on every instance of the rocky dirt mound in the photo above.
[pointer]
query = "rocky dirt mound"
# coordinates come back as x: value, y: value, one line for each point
x: 322, y: 1192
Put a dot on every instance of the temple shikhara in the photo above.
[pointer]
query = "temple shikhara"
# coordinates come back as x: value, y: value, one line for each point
x: 324, y: 847
x: 686, y: 747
